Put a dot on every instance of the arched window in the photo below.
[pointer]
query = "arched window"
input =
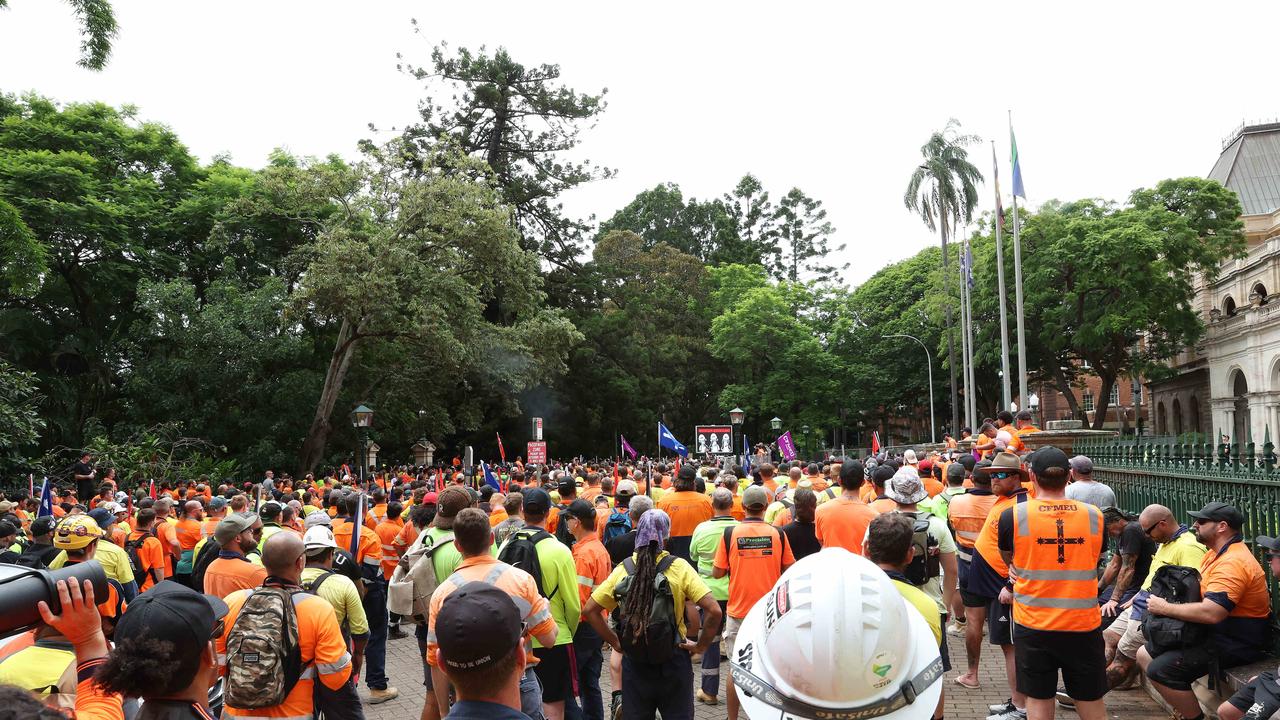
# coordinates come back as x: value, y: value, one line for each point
x: 1258, y: 295
x: 1229, y: 307
x: 1177, y: 417
x: 1194, y: 407
x: 1162, y: 420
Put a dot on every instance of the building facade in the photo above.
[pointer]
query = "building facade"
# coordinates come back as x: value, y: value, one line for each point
x: 1229, y: 384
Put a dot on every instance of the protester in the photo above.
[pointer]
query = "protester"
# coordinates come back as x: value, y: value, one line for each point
x: 843, y: 522
x: 687, y: 508
x: 1131, y: 556
x: 113, y: 558
x: 802, y: 532
x: 906, y: 493
x: 40, y: 552
x: 708, y: 536
x: 1057, y: 623
x: 661, y: 680
x: 1260, y: 698
x: 513, y: 506
x: 146, y: 546
x: 319, y: 578
x: 592, y: 563
x: 323, y: 652
x: 1235, y: 603
x: 479, y: 631
x: 989, y: 574
x: 967, y: 514
x: 754, y: 555
x: 473, y: 539
x: 188, y: 531
x: 1177, y: 546
x: 367, y: 550
x: 1084, y: 488
x: 558, y: 582
x: 236, y: 535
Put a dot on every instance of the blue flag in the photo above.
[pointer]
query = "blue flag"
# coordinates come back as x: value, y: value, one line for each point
x: 669, y: 441
x: 46, y: 500
x: 746, y: 454
x: 357, y: 522
x: 489, y: 477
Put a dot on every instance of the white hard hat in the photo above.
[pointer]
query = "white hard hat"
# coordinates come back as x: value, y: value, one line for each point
x: 835, y: 639
x: 318, y: 538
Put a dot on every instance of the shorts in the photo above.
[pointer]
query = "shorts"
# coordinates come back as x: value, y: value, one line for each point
x: 1177, y: 669
x: 1260, y: 698
x: 553, y: 672
x: 971, y: 600
x: 999, y: 623
x: 1040, y: 654
x: 731, y: 627
x: 1129, y: 631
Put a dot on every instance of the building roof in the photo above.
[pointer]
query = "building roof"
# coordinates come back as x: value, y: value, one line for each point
x: 1250, y: 165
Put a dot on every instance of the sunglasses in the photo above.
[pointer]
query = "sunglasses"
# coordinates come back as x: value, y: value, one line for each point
x: 1147, y: 530
x: 1000, y: 475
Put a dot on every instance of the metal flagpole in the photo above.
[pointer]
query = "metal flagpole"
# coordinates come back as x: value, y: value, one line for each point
x: 1004, y: 311
x: 965, y: 357
x: 1017, y: 294
x: 971, y: 387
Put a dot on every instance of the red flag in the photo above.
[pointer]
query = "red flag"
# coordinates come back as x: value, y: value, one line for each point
x: 501, y: 450
x: 615, y: 475
x: 153, y: 489
x: 875, y: 442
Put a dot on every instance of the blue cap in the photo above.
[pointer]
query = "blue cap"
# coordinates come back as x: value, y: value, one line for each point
x: 102, y: 516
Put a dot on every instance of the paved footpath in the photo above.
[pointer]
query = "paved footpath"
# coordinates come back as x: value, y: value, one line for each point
x: 405, y: 670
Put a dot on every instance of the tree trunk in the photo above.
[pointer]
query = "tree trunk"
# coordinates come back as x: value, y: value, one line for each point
x: 339, y: 362
x: 951, y: 353
x: 1103, y: 403
x: 1064, y: 387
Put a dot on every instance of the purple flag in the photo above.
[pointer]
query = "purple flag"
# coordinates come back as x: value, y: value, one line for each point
x: 787, y: 446
x: 626, y: 448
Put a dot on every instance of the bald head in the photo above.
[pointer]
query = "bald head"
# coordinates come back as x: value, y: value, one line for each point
x: 795, y: 473
x: 1158, y: 523
x: 192, y: 508
x: 282, y: 556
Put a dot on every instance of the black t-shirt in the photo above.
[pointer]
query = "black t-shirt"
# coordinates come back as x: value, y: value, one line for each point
x: 802, y: 537
x: 621, y: 547
x: 83, y: 468
x: 1133, y: 541
x: 345, y: 565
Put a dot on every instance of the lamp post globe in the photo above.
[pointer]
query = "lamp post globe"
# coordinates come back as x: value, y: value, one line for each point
x: 362, y: 420
x: 776, y: 423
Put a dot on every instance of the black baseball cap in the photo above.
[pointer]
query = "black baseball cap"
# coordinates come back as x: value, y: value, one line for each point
x: 1270, y: 543
x: 1050, y: 459
x: 477, y: 625
x: 537, y: 501
x: 1219, y: 512
x: 173, y: 613
x: 566, y: 485
x: 581, y: 509
x: 882, y: 474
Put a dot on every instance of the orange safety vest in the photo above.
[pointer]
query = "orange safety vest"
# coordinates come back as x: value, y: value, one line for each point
x: 1056, y: 544
x: 988, y: 543
x: 967, y: 513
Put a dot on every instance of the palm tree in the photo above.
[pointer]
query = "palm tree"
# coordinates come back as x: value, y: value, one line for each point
x: 943, y: 192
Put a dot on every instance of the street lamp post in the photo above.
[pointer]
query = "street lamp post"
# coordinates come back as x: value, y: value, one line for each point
x: 933, y: 425
x: 361, y: 420
x: 776, y: 425
x: 804, y: 431
x: 736, y: 416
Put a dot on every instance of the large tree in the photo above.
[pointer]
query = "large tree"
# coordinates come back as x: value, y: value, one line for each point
x: 521, y: 121
x: 427, y: 269
x: 943, y: 192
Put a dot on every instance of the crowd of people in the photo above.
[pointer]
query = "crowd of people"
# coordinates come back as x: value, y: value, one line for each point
x: 805, y: 590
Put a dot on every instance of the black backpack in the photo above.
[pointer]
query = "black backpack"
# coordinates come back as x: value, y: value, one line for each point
x: 131, y: 548
x: 521, y: 551
x: 661, y: 631
x: 201, y: 563
x: 562, y: 527
x: 925, y: 564
x: 1176, y: 584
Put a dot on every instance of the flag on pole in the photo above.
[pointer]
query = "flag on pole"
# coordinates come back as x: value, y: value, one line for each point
x: 669, y: 441
x: 787, y: 446
x: 46, y: 500
x: 995, y: 177
x: 501, y: 450
x: 1018, y: 190
x: 967, y: 263
x: 746, y: 454
x: 31, y: 484
x: 489, y: 477
x: 153, y: 490
x: 875, y: 442
x: 626, y: 448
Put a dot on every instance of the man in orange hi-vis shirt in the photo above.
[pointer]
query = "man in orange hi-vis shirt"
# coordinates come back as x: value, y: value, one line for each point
x: 593, y: 567
x: 320, y: 643
x: 473, y: 538
x: 843, y: 522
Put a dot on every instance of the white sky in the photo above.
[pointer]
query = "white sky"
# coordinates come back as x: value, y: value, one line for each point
x: 835, y: 98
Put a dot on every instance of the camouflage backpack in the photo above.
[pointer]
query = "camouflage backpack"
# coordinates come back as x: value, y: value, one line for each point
x: 264, y: 661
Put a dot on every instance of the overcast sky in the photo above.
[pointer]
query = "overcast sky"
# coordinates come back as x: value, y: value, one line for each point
x: 835, y: 98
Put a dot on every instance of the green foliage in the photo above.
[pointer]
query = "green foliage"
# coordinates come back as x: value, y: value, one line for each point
x: 20, y: 416
x: 160, y: 452
x: 522, y: 123
x: 702, y: 229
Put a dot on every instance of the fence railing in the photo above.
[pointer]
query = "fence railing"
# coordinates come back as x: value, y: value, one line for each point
x: 1187, y: 476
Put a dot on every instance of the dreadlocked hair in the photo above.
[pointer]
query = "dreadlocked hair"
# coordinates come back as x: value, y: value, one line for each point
x: 638, y: 603
x: 148, y: 667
